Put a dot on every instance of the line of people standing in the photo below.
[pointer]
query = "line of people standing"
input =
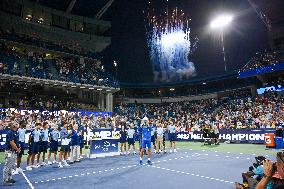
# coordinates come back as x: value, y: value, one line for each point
x: 130, y: 133
x: 68, y: 139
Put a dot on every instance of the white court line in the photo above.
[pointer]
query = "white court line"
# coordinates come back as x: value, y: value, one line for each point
x: 241, y: 153
x: 28, y: 181
x: 85, y: 174
x: 192, y: 174
x: 153, y: 162
x: 220, y: 155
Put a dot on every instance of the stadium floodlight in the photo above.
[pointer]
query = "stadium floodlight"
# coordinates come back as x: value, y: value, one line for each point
x: 115, y: 65
x: 221, y: 21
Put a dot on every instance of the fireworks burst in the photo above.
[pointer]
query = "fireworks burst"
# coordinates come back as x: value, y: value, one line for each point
x: 169, y: 44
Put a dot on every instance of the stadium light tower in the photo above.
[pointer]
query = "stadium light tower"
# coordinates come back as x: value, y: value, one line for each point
x: 220, y: 23
x: 115, y: 65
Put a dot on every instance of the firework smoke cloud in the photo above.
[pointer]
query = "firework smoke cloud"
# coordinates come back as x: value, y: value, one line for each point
x: 169, y: 44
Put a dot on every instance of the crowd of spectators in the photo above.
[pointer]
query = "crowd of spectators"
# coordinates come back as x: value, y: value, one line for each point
x: 38, y: 65
x: 56, y: 118
x: 54, y: 103
x: 236, y: 111
x: 239, y: 110
x: 27, y: 96
x: 261, y: 60
x: 35, y: 40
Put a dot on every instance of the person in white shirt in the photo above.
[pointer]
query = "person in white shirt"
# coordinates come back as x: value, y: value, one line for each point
x: 33, y: 147
x: 21, y: 133
x: 160, y: 135
x: 172, y: 136
x: 64, y: 135
x: 130, y: 138
x: 43, y: 144
x: 53, y: 138
x: 216, y: 133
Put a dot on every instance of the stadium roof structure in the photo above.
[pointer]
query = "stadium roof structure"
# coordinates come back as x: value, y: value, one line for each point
x: 193, y: 81
x: 271, y: 12
x: 273, y: 9
x: 86, y: 8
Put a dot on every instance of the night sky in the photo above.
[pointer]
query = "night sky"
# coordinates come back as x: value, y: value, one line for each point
x: 245, y: 36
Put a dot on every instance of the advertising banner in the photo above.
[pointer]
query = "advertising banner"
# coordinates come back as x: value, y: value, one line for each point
x: 238, y: 135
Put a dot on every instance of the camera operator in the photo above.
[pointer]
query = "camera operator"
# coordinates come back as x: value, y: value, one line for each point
x: 273, y: 173
x: 253, y: 176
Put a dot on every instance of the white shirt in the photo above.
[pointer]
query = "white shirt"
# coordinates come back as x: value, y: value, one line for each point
x: 160, y: 132
x: 22, y: 133
x: 130, y: 133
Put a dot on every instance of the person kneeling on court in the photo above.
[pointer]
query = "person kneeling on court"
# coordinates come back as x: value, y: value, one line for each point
x: 146, y: 140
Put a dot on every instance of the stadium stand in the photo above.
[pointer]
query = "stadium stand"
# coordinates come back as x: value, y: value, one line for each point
x: 238, y: 110
x: 37, y: 65
x: 261, y: 60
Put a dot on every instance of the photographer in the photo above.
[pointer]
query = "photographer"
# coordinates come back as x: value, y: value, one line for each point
x: 253, y: 176
x: 273, y: 174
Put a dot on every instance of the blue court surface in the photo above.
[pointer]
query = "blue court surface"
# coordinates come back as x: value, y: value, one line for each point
x: 192, y: 169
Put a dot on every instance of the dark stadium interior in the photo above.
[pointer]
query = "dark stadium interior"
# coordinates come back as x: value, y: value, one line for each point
x: 147, y: 94
x: 129, y: 37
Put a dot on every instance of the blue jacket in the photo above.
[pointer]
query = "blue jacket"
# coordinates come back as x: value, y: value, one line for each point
x: 74, y: 138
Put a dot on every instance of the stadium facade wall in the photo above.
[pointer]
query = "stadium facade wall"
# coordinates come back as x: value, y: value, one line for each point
x: 54, y: 34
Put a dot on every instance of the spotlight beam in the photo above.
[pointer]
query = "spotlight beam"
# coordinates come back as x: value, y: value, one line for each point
x: 220, y: 23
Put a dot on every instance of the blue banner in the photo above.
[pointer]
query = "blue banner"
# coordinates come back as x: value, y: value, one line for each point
x: 56, y: 112
x: 99, y: 134
x: 237, y: 135
x: 103, y: 146
x: 263, y: 70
